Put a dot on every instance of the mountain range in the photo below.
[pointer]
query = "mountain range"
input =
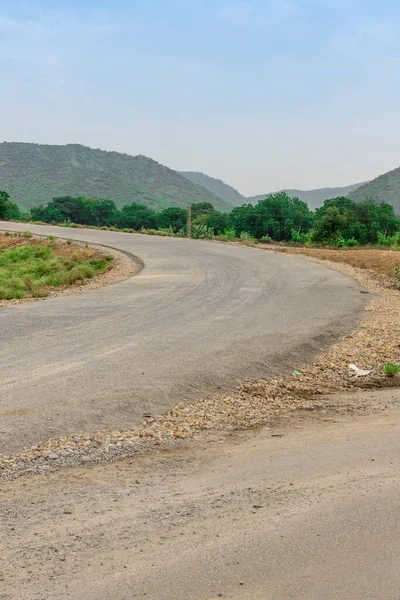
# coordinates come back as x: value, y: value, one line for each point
x: 35, y: 173
x: 314, y: 198
x: 385, y: 188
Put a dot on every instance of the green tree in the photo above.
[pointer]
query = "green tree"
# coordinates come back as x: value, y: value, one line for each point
x: 217, y: 221
x: 137, y: 216
x: 5, y: 205
x: 330, y: 225
x: 173, y: 217
x: 201, y: 208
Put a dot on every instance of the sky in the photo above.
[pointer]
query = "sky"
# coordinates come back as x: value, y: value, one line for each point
x: 264, y: 94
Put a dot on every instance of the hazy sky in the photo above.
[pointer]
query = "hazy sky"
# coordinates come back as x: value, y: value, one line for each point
x: 264, y: 94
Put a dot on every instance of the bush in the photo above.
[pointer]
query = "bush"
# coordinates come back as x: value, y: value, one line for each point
x: 351, y: 243
x: 301, y: 238
x: 202, y: 232
x: 229, y: 235
x: 247, y: 239
x: 266, y: 239
x: 387, y: 240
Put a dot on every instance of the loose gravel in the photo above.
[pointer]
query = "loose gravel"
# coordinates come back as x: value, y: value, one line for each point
x: 254, y: 403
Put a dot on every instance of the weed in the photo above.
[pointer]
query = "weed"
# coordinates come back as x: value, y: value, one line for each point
x: 266, y: 239
x: 391, y: 369
x: 27, y: 235
x: 247, y: 239
x: 69, y: 242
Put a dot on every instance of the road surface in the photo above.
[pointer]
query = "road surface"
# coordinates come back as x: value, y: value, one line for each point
x: 199, y: 316
x: 312, y: 515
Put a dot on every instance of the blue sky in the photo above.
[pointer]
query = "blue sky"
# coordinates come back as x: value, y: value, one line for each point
x: 264, y: 94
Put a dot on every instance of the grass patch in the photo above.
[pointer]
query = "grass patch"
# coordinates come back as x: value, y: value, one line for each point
x: 391, y: 369
x: 33, y: 268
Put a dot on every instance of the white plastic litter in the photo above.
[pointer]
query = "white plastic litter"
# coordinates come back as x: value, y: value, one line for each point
x: 358, y: 372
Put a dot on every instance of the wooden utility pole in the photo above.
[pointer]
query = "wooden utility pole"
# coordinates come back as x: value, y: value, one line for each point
x: 189, y: 221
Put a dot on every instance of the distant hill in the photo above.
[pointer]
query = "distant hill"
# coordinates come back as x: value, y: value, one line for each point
x: 314, y: 198
x: 216, y: 186
x: 385, y: 188
x: 33, y: 174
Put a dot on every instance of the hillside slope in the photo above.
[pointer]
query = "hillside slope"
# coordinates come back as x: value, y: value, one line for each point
x: 314, y: 198
x: 216, y: 186
x: 33, y: 174
x: 385, y: 188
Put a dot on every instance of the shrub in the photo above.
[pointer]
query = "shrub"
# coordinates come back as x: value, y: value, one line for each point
x: 387, y: 240
x: 202, y: 232
x: 266, y: 239
x: 247, y: 239
x: 229, y: 235
x: 391, y: 369
x: 300, y: 238
x: 350, y: 243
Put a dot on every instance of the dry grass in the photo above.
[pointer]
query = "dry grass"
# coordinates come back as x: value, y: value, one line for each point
x: 381, y: 262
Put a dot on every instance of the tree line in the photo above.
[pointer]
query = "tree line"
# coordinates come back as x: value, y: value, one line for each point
x: 339, y: 221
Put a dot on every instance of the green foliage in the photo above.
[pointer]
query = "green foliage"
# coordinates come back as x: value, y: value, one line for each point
x: 30, y: 270
x: 202, y: 232
x: 137, y: 216
x: 266, y: 239
x: 8, y: 210
x: 247, y: 239
x: 350, y: 243
x: 217, y: 221
x: 172, y: 217
x: 229, y: 235
x: 275, y: 216
x: 391, y: 369
x: 201, y: 208
x: 301, y: 238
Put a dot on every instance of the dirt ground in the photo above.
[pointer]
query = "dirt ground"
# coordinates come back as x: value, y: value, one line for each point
x: 382, y: 262
x: 234, y: 496
x: 216, y: 518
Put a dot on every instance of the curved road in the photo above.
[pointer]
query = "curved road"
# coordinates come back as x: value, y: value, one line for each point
x: 199, y: 316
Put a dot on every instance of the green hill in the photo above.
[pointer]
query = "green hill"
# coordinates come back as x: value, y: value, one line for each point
x: 385, y: 188
x: 33, y: 174
x: 216, y: 186
x: 314, y: 198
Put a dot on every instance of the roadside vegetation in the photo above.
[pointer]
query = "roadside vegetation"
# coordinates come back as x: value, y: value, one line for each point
x: 351, y: 232
x: 340, y: 222
x: 31, y: 268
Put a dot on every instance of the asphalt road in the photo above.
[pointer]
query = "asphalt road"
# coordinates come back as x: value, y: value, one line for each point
x: 312, y: 515
x: 198, y: 316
